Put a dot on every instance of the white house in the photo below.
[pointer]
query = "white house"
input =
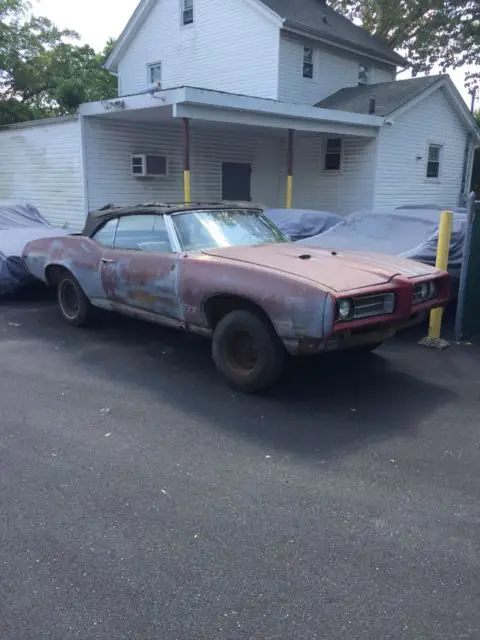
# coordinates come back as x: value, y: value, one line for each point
x: 278, y: 101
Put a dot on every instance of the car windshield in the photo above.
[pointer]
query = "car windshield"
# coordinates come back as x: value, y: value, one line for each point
x: 225, y: 228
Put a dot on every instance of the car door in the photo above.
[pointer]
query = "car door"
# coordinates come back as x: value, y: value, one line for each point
x: 140, y: 272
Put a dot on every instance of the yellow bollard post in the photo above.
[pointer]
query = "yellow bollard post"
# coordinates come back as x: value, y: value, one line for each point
x: 186, y: 161
x: 186, y: 187
x: 443, y: 247
x: 288, y: 197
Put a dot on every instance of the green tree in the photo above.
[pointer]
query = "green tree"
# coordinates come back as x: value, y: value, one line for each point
x: 43, y: 71
x: 426, y: 32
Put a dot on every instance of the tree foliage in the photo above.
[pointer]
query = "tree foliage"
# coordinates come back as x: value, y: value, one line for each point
x: 427, y: 32
x: 43, y: 70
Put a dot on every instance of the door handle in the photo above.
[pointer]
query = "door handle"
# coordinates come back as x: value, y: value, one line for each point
x: 106, y: 260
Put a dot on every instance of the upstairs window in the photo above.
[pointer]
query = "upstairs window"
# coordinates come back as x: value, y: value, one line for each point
x: 187, y: 11
x: 362, y: 75
x: 307, y: 62
x: 333, y: 154
x: 154, y: 74
x: 433, y: 163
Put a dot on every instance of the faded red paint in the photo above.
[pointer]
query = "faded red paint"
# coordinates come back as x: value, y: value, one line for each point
x: 296, y: 286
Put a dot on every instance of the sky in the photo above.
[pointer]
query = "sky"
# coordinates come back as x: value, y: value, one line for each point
x: 98, y: 20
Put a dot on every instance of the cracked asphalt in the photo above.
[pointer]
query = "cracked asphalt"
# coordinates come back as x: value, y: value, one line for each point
x: 142, y: 500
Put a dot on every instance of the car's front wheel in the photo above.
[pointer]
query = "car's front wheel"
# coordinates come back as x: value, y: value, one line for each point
x: 73, y: 303
x: 247, y: 352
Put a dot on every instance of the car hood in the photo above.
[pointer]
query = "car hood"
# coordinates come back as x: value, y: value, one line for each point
x: 336, y: 270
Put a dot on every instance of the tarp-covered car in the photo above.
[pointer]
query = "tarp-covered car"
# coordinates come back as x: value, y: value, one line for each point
x: 410, y: 232
x: 19, y: 224
x: 298, y: 224
x: 227, y: 272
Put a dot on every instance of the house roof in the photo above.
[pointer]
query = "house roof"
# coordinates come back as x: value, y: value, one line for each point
x: 316, y: 19
x: 312, y: 18
x: 389, y: 96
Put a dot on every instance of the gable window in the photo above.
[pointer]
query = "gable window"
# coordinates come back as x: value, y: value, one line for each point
x: 187, y: 11
x: 333, y: 154
x: 362, y: 75
x: 433, y: 164
x: 154, y: 74
x: 307, y: 62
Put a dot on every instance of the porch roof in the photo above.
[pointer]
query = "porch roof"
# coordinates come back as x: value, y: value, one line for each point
x: 229, y: 108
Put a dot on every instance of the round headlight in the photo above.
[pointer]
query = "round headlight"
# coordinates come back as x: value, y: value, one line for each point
x: 344, y: 309
x: 432, y: 289
x: 424, y: 291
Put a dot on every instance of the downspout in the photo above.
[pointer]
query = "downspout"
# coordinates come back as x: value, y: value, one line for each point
x: 468, y: 159
x: 466, y: 170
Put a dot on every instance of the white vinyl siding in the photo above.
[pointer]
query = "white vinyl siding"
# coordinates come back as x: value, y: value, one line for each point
x: 42, y: 164
x: 403, y: 155
x: 334, y: 69
x: 110, y: 145
x: 231, y: 46
x: 338, y: 191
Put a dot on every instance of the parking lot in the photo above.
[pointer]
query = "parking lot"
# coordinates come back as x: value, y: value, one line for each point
x: 142, y: 499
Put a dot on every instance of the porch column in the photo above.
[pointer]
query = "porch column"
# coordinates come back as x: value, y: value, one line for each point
x: 186, y: 160
x: 288, y: 199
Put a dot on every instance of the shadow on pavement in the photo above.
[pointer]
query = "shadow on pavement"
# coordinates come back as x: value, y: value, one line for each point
x: 321, y: 406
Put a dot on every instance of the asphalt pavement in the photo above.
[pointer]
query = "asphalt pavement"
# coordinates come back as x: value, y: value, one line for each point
x: 143, y: 500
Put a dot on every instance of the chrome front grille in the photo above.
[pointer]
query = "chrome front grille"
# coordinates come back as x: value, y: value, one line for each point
x: 375, y: 305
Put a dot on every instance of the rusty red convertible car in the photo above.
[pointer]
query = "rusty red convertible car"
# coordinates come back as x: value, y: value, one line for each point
x: 224, y: 270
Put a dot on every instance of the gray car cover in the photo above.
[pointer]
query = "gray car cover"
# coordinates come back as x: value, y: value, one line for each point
x: 408, y: 232
x: 19, y: 224
x: 302, y: 223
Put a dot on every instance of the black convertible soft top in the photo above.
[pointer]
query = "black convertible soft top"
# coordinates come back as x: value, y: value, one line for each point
x: 97, y: 219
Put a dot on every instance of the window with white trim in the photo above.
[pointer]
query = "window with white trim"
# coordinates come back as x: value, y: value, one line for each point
x: 307, y: 62
x: 433, y: 162
x: 187, y: 11
x: 154, y: 74
x: 333, y: 154
x: 363, y: 73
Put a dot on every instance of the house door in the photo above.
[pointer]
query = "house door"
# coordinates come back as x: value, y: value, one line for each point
x: 236, y: 177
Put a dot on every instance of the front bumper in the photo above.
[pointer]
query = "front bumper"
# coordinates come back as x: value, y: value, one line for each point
x: 351, y: 338
x: 373, y: 329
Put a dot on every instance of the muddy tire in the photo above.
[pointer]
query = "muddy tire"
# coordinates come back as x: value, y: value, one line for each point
x: 247, y: 352
x: 73, y: 303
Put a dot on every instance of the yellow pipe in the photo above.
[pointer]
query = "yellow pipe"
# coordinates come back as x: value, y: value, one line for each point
x: 186, y: 186
x: 288, y: 200
x: 443, y: 247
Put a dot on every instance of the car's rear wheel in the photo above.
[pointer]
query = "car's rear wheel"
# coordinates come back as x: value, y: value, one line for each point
x: 247, y: 352
x: 73, y: 303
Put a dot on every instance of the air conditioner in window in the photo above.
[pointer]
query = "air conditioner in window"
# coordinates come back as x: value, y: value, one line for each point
x: 139, y: 165
x: 148, y: 166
